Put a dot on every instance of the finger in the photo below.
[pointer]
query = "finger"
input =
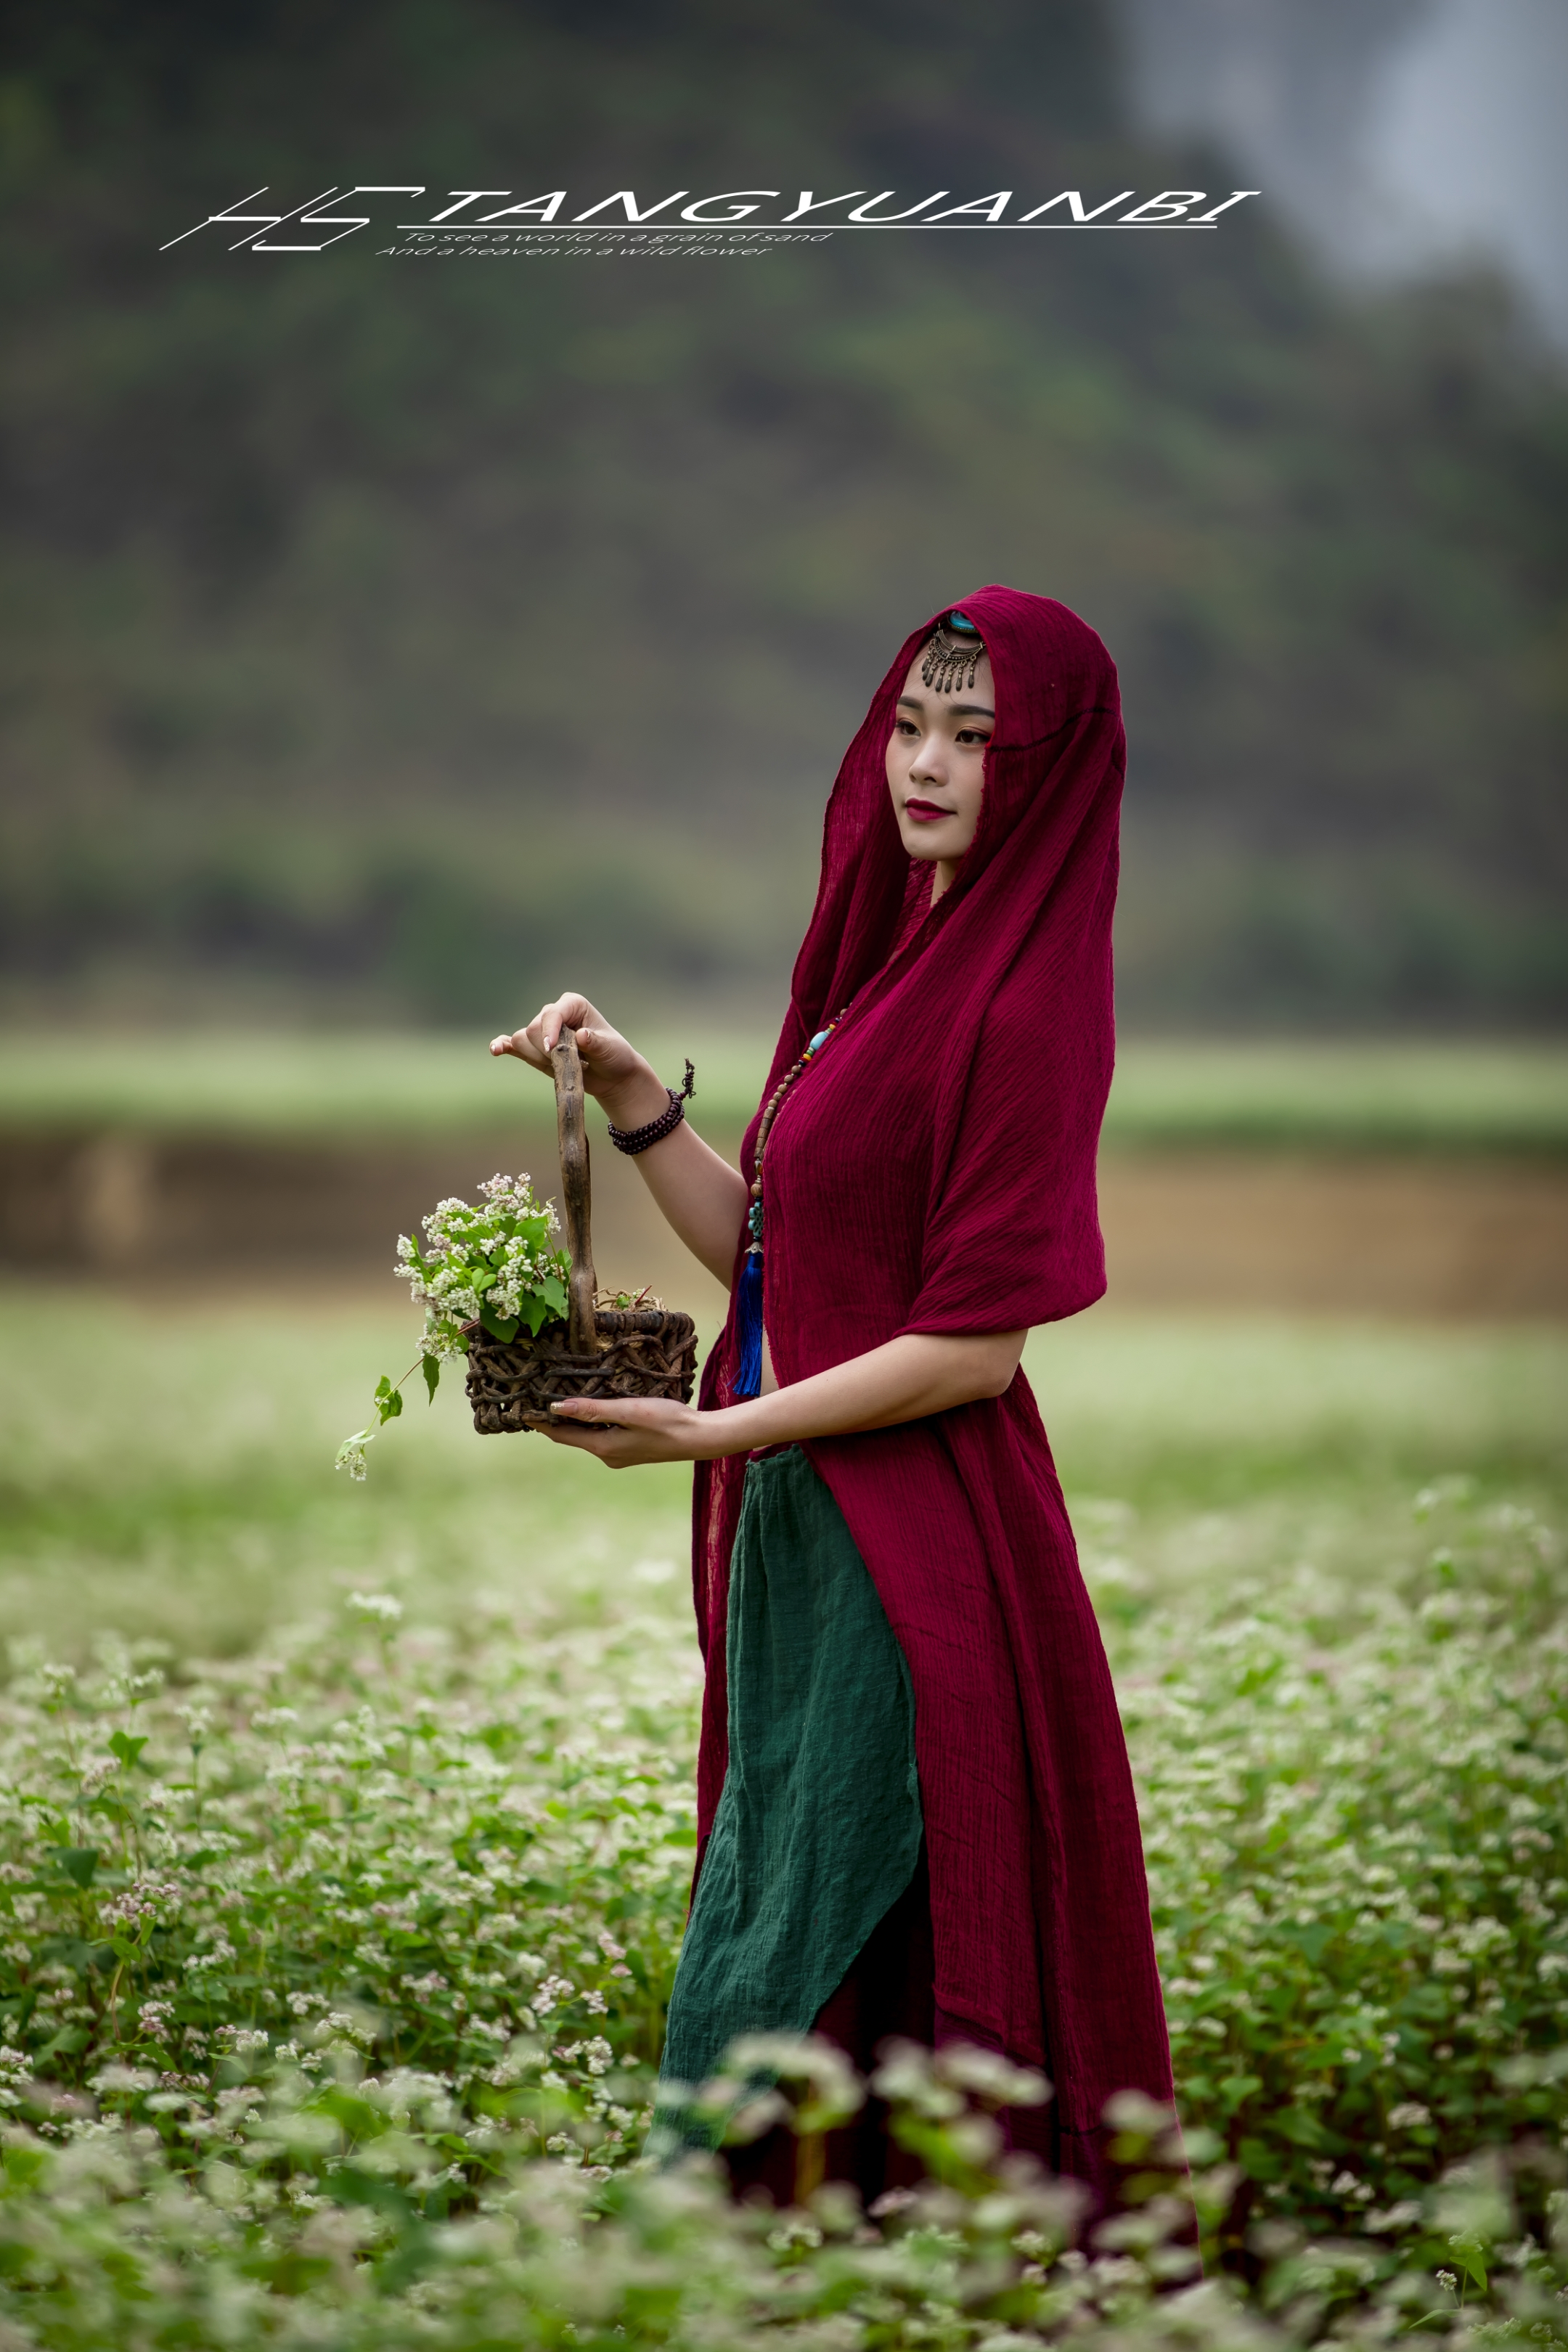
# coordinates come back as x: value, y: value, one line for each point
x: 614, y: 1413
x: 590, y: 1415
x: 520, y: 1046
x: 564, y: 1013
x: 606, y: 1445
x: 584, y: 1440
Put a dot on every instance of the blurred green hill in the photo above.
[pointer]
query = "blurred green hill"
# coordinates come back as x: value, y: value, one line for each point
x: 393, y: 644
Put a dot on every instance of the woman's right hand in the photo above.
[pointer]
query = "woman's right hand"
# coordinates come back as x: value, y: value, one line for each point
x: 703, y: 1198
x: 613, y: 1072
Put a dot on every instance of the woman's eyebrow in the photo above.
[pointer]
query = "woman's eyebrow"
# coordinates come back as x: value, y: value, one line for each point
x: 958, y: 709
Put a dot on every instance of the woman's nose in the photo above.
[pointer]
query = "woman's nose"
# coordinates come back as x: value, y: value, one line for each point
x: 930, y: 763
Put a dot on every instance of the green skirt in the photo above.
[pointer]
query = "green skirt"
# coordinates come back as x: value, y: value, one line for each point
x: 818, y: 1828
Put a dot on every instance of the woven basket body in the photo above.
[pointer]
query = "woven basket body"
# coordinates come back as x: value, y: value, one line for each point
x: 642, y: 1351
x: 616, y: 1351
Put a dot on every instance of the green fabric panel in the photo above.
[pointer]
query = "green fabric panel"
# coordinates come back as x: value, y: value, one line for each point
x: 818, y: 1828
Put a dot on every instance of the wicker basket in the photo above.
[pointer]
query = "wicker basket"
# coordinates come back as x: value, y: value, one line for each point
x: 616, y: 1351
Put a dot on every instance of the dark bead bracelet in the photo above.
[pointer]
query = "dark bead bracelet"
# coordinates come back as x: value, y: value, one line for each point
x: 633, y: 1139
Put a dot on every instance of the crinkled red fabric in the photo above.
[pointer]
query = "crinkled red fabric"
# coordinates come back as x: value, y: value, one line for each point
x: 933, y: 1170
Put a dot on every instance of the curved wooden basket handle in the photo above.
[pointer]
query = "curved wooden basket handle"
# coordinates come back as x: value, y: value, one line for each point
x: 572, y: 1133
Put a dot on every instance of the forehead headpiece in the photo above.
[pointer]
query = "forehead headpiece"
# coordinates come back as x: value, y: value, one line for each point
x: 954, y: 647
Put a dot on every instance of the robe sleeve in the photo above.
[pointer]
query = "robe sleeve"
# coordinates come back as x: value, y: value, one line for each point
x: 1012, y: 1234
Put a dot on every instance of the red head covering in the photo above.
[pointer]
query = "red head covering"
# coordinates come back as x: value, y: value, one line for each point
x: 933, y: 1170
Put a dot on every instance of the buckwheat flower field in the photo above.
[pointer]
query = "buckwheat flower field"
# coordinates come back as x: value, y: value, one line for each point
x: 345, y: 1834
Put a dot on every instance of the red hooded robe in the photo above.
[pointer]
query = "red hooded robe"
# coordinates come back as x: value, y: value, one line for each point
x: 934, y: 1171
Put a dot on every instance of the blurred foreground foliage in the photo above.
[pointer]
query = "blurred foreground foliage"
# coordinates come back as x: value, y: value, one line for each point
x: 419, y: 640
x: 333, y: 1979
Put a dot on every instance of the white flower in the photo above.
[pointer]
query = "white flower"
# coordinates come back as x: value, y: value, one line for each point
x: 351, y: 1452
x: 222, y: 1950
x: 242, y: 2040
x: 380, y: 1606
x: 147, y: 1899
x: 121, y: 2078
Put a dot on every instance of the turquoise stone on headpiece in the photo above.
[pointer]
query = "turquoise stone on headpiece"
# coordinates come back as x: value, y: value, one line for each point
x: 952, y: 654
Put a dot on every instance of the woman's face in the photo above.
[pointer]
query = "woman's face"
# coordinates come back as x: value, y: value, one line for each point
x: 936, y: 770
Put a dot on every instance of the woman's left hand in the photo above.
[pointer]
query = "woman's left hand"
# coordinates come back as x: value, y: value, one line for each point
x: 641, y: 1429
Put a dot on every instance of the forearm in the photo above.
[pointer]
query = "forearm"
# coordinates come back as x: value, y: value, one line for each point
x: 905, y: 1380
x: 918, y: 1373
x: 700, y: 1195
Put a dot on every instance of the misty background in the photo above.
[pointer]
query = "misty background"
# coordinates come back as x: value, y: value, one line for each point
x: 391, y: 645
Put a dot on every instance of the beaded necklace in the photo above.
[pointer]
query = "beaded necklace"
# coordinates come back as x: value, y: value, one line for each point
x: 747, y: 1379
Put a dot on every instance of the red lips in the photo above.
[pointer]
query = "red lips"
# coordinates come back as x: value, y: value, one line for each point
x: 926, y: 812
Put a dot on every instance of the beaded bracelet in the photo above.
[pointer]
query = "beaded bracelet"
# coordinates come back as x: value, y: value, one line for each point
x: 633, y: 1139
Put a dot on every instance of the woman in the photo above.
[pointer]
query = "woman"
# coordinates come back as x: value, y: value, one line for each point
x: 915, y: 1807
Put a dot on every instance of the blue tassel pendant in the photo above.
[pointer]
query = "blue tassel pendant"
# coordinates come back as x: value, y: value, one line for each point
x: 748, y: 1379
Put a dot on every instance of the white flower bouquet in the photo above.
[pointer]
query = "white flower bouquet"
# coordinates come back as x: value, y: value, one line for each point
x: 492, y: 1265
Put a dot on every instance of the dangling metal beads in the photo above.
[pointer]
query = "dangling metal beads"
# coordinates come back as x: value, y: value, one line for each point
x: 954, y: 647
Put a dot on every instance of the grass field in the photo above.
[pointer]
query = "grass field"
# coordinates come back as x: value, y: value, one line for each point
x: 168, y: 1470
x: 344, y: 1832
x: 1403, y: 1096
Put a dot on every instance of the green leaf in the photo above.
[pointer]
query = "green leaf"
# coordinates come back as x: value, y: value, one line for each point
x: 69, y: 1951
x: 348, y: 2184
x: 78, y: 1862
x: 1260, y: 2161
x: 66, y: 2042
x: 1313, y: 1940
x: 388, y: 1401
x: 1301, y: 2127
x: 105, y: 1803
x: 358, y: 2117
x: 120, y: 1744
x: 24, y: 2166
x: 1471, y: 2254
x: 431, y: 1367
